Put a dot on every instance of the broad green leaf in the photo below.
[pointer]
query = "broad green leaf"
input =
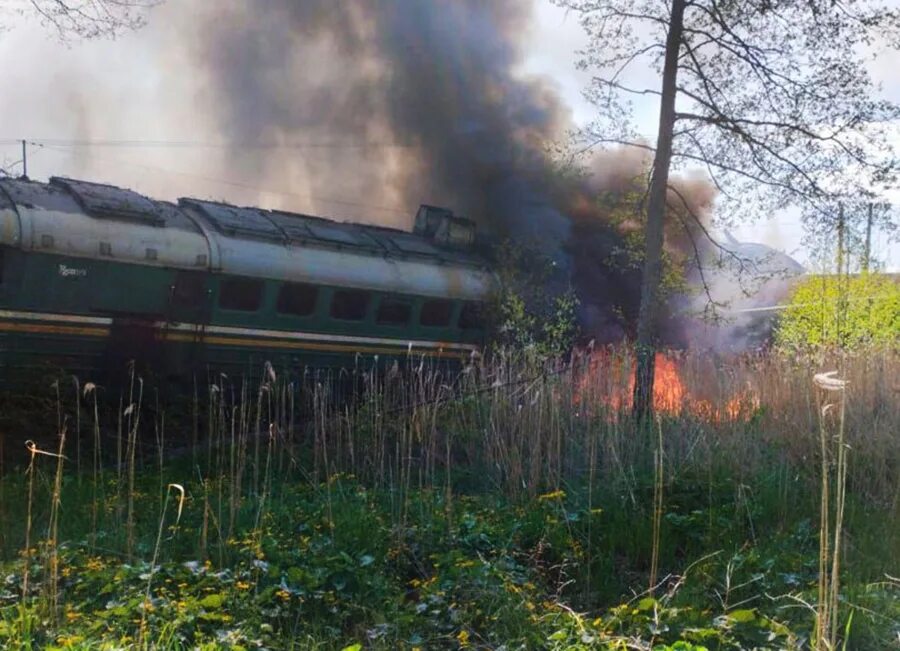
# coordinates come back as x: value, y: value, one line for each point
x: 742, y: 616
x: 212, y: 601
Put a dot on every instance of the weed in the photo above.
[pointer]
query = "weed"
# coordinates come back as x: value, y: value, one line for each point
x: 513, y: 505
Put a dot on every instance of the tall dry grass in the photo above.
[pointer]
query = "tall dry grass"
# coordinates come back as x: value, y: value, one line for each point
x: 511, y: 424
x: 527, y: 426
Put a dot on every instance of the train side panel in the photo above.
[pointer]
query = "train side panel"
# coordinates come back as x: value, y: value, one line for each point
x: 82, y: 315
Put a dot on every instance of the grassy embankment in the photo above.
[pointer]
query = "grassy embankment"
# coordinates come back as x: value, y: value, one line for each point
x: 520, y: 508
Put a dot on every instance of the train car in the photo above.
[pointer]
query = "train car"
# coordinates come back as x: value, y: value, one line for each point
x: 92, y: 276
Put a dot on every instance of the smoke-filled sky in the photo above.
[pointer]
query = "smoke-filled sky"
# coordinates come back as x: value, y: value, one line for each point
x: 310, y: 109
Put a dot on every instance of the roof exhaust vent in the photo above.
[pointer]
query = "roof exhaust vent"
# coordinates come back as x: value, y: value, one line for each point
x: 444, y: 228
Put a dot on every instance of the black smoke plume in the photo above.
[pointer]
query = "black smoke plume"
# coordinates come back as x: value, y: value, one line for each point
x: 392, y: 103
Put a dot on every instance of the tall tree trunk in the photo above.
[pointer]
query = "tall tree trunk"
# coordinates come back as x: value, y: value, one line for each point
x: 656, y: 210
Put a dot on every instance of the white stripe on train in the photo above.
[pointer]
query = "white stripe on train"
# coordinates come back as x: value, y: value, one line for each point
x: 248, y: 332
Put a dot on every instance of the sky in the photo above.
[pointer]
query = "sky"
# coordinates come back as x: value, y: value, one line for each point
x: 48, y: 90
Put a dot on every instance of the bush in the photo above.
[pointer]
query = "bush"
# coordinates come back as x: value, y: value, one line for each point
x: 532, y: 310
x: 842, y: 311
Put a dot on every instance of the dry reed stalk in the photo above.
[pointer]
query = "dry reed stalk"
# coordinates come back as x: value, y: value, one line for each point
x: 221, y: 428
x: 261, y: 510
x: 238, y: 457
x: 658, y: 470
x: 840, y: 503
x: 232, y: 468
x: 592, y: 471
x: 159, y: 431
x: 257, y: 433
x: 91, y: 389
x: 3, y: 521
x: 195, y: 421
x: 204, y: 524
x: 53, y: 527
x: 26, y: 570
x: 829, y: 555
x: 77, y: 428
x: 147, y: 605
x: 119, y: 464
x: 133, y: 412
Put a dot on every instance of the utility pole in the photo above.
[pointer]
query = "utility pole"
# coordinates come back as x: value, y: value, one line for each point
x: 840, y: 242
x: 868, y: 251
x: 841, y: 303
x: 24, y: 159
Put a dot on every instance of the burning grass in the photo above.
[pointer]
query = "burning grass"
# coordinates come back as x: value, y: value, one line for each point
x: 671, y: 396
x: 518, y: 504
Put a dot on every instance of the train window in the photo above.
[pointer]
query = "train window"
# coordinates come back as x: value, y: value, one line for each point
x: 436, y: 312
x: 471, y: 317
x: 350, y: 304
x: 297, y: 299
x: 241, y: 294
x: 189, y: 290
x: 1, y: 266
x: 393, y: 311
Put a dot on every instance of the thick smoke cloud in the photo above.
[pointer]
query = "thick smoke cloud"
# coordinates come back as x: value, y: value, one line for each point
x: 402, y: 102
x: 399, y: 101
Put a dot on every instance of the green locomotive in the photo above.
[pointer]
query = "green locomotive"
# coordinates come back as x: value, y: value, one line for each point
x: 93, y: 275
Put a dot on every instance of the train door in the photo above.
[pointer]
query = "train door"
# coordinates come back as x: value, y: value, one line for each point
x: 187, y: 317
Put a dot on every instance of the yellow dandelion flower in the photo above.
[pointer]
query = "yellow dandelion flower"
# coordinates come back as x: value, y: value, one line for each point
x: 68, y: 641
x: 94, y: 564
x: 554, y: 495
x: 463, y: 638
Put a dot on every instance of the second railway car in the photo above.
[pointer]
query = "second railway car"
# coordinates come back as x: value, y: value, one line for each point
x: 92, y: 276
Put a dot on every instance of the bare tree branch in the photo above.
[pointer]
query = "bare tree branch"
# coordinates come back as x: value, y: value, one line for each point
x: 88, y: 19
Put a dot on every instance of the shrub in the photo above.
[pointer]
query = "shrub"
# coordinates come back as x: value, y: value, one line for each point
x: 842, y: 311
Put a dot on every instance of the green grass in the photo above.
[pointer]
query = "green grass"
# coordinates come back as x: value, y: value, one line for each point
x: 513, y: 517
x: 486, y: 570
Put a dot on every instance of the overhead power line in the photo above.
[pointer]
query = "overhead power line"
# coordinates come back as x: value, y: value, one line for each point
x: 198, y: 144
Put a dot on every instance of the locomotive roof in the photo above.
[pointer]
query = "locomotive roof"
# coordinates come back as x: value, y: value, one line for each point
x: 76, y: 214
x: 105, y: 201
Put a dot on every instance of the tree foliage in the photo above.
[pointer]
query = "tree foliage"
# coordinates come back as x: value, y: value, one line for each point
x: 772, y: 98
x: 775, y: 100
x: 529, y: 311
x: 842, y: 311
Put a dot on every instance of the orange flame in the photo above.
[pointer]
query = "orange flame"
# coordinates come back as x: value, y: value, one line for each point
x: 668, y: 390
x: 670, y: 396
